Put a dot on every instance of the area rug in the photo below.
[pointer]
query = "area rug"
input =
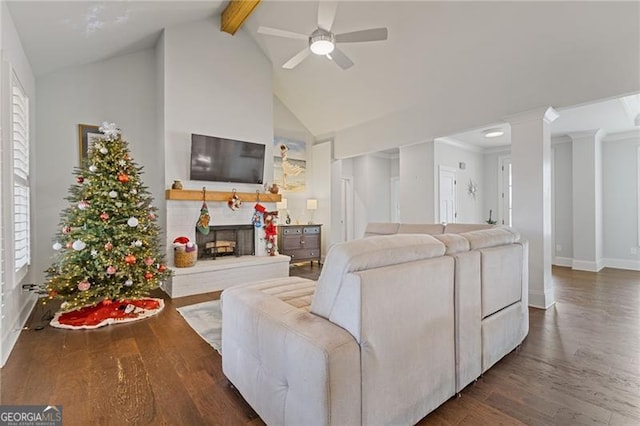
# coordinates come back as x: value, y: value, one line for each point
x: 206, y: 319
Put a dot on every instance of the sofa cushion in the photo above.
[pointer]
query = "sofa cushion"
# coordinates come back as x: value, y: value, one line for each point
x: 295, y: 291
x: 455, y: 243
x: 368, y: 253
x: 421, y: 228
x: 496, y: 236
x: 458, y: 228
x: 381, y: 229
x: 501, y: 277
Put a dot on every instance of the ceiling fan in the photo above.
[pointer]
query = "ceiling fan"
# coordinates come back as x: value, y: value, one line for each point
x: 322, y: 41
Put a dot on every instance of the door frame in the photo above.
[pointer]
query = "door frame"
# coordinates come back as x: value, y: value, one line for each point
x: 454, y: 171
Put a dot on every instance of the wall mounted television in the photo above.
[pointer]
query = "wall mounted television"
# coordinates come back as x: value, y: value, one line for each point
x: 226, y: 160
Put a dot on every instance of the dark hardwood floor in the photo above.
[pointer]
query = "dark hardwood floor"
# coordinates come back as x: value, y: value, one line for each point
x: 580, y: 364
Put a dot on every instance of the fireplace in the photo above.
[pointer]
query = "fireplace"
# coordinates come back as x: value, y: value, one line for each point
x: 226, y: 240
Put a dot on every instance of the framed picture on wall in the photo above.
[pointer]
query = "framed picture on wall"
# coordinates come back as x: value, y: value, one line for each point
x: 290, y: 164
x: 86, y: 134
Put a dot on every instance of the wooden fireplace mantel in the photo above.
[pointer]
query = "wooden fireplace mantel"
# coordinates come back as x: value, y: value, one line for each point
x: 196, y: 195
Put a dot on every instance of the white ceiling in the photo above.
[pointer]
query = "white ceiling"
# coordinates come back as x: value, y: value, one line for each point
x: 428, y: 42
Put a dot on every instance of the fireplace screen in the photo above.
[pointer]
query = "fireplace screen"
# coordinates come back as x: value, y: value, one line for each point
x: 226, y: 240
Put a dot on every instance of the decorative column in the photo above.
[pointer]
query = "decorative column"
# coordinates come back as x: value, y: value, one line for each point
x: 531, y: 175
x: 587, y: 200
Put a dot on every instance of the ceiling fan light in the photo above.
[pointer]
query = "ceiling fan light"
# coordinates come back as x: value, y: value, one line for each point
x: 493, y: 133
x: 322, y: 47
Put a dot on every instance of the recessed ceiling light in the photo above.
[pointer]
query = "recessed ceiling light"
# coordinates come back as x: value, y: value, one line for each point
x: 493, y: 133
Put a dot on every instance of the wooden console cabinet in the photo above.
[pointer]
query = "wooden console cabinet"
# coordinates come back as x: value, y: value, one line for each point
x: 300, y: 242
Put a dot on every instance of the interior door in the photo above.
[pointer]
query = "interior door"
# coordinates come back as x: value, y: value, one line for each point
x: 447, y: 194
x: 395, y: 199
x: 346, y: 213
x: 506, y: 192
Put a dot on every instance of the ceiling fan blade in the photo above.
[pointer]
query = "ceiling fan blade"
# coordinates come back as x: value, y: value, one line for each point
x: 293, y: 62
x: 373, y: 34
x: 341, y: 59
x: 326, y: 13
x: 281, y: 33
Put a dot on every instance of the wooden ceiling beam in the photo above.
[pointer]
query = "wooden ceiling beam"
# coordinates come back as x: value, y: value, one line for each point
x: 234, y: 15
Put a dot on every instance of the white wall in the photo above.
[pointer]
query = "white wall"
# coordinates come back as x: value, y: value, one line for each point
x: 562, y: 193
x: 321, y: 176
x: 511, y: 83
x: 372, y: 191
x: 469, y: 209
x: 120, y: 90
x: 417, y: 178
x: 16, y: 305
x: 620, y: 194
x: 219, y: 85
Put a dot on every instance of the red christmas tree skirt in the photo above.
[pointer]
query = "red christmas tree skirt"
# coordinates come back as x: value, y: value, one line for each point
x: 105, y: 314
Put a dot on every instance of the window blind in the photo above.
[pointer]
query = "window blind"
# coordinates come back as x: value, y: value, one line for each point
x: 20, y: 143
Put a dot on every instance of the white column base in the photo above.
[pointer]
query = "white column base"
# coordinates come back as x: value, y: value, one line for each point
x: 541, y: 300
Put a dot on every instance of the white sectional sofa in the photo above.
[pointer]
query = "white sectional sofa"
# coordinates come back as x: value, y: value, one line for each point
x: 395, y: 325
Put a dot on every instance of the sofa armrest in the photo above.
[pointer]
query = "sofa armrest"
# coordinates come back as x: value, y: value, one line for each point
x: 291, y: 366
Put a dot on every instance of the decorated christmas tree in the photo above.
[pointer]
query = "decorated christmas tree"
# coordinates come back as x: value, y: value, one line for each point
x: 107, y: 246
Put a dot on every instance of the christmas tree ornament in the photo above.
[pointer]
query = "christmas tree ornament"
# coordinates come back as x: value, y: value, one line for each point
x: 162, y: 268
x: 69, y: 244
x: 80, y: 179
x: 57, y: 246
x: 104, y: 216
x: 132, y: 222
x: 93, y: 168
x: 123, y: 178
x: 148, y: 275
x: 78, y: 245
x: 94, y: 253
x: 108, y: 246
x: 122, y: 163
x: 103, y: 150
x: 82, y: 205
x: 128, y: 283
x: 84, y: 285
x: 118, y: 204
x: 137, y: 243
x: 149, y: 261
x: 111, y: 270
x: 66, y: 229
x: 152, y: 216
x: 109, y: 130
x: 134, y: 191
x: 113, y: 194
x: 202, y: 225
x: 130, y: 259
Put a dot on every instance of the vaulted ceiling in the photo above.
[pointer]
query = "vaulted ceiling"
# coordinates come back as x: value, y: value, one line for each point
x: 430, y: 43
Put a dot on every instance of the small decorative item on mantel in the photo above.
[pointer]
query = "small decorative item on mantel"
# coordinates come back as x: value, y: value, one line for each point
x: 176, y: 185
x: 274, y: 189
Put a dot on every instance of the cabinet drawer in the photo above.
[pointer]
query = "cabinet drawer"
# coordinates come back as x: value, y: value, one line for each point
x: 292, y: 231
x: 303, y: 254
x: 292, y: 242
x: 312, y: 230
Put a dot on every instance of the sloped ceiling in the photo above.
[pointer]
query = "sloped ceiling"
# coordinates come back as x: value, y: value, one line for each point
x: 432, y: 48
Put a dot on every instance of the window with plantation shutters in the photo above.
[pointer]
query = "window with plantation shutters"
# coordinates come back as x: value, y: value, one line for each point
x: 20, y: 144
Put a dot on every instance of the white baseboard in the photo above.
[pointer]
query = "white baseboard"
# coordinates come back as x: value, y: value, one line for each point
x: 541, y: 300
x: 581, y: 265
x: 630, y: 264
x: 563, y: 261
x: 11, y: 337
x: 587, y: 265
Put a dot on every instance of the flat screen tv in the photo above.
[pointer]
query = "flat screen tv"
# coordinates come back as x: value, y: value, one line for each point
x: 226, y: 160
